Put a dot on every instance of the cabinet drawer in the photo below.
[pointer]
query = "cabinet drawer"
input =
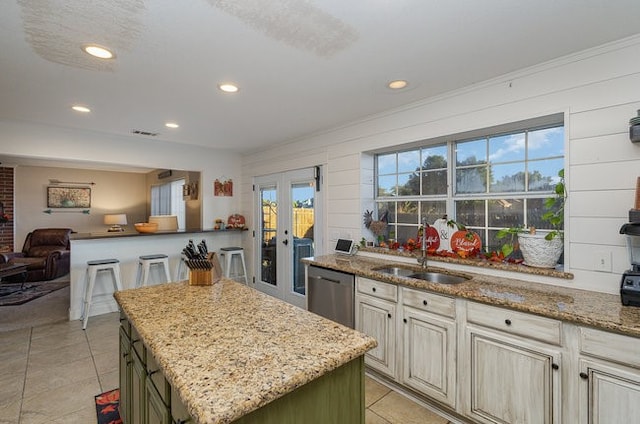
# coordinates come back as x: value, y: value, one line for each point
x: 125, y: 324
x: 138, y: 346
x: 610, y: 346
x: 157, y: 378
x: 430, y: 302
x: 378, y: 289
x: 519, y: 323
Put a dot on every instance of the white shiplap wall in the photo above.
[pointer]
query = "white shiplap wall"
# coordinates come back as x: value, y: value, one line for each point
x: 597, y: 90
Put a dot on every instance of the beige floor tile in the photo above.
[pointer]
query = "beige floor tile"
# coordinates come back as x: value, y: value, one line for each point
x: 63, y: 355
x: 371, y: 417
x: 66, y: 400
x: 13, y: 343
x: 11, y: 387
x: 84, y: 416
x: 50, y: 378
x: 10, y: 412
x: 109, y: 381
x: 399, y: 410
x: 58, y: 328
x: 14, y: 366
x: 373, y: 391
x: 107, y: 362
x: 56, y: 341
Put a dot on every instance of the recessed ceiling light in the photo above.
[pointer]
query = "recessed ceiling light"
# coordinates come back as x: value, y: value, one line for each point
x: 98, y: 51
x: 82, y: 109
x: 171, y: 125
x: 228, y: 88
x: 397, y: 84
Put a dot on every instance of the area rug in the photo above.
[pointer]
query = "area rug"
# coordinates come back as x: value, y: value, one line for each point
x: 13, y: 294
x: 107, y: 407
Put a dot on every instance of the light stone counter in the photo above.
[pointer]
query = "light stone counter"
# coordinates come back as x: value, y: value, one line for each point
x: 228, y: 349
x: 598, y: 310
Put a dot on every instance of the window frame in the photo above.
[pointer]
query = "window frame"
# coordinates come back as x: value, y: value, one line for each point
x: 451, y: 199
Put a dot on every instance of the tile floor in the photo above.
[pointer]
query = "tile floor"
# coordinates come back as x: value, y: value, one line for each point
x: 51, y: 373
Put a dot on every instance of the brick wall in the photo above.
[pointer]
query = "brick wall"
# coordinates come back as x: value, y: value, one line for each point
x: 6, y: 197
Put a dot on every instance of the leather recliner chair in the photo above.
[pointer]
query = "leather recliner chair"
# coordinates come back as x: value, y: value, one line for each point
x: 46, y: 252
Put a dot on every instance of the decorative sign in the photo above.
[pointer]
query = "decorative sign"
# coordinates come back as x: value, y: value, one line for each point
x: 223, y: 188
x: 68, y: 197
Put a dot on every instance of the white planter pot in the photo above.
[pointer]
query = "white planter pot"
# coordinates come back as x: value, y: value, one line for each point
x: 538, y: 252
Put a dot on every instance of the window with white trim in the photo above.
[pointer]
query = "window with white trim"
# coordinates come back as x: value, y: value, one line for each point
x: 486, y: 180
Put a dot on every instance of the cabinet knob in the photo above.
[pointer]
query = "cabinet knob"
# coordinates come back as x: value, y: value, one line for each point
x: 507, y: 321
x: 373, y: 289
x: 424, y: 302
x: 404, y: 320
x: 150, y: 373
x: 584, y: 376
x: 555, y: 366
x: 389, y: 315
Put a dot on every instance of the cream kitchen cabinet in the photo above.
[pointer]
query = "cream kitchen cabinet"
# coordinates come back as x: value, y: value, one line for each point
x: 376, y: 305
x: 512, y: 362
x: 608, y: 378
x: 429, y: 344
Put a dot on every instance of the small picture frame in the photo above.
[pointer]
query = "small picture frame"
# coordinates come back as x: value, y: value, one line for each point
x: 68, y: 197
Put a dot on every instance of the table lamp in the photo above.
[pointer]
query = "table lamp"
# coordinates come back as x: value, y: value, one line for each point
x: 115, y: 220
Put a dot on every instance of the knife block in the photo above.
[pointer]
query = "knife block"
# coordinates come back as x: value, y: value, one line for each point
x: 206, y: 277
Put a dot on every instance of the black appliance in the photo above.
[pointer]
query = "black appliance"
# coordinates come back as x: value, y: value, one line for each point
x: 630, y: 284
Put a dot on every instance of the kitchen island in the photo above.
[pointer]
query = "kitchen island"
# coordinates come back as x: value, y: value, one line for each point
x: 232, y: 354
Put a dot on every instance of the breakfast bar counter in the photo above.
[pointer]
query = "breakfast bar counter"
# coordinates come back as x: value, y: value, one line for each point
x: 229, y: 352
x: 127, y: 247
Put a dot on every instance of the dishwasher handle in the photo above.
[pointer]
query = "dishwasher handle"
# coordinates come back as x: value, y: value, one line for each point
x: 315, y: 277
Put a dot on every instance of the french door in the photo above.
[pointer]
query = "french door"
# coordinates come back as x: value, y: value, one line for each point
x: 287, y: 212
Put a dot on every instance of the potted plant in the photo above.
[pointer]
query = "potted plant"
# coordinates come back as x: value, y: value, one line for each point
x: 541, y: 249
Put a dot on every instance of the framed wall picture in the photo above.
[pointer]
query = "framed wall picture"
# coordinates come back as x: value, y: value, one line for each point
x: 223, y: 188
x: 68, y: 197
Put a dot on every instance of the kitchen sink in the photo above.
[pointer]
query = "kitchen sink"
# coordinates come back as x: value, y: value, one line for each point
x: 437, y: 277
x: 432, y: 277
x: 397, y: 271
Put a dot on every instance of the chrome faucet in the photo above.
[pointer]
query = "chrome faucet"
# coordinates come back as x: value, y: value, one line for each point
x: 422, y: 260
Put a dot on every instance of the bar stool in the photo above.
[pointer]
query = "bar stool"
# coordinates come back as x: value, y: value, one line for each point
x: 145, y: 263
x: 93, y: 267
x: 228, y: 253
x: 182, y: 273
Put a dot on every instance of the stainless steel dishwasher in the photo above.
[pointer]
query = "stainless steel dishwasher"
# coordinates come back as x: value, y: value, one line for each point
x: 331, y: 294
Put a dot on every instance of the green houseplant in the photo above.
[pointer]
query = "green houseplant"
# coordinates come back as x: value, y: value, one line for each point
x: 540, y: 249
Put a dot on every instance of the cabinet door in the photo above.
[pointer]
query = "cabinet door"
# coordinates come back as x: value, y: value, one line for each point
x: 125, y: 369
x: 429, y: 361
x: 376, y: 318
x: 156, y: 410
x: 608, y: 393
x: 138, y: 383
x: 512, y: 381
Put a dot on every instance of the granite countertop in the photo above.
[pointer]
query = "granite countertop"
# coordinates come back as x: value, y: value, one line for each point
x: 228, y: 349
x: 133, y: 233
x: 598, y: 310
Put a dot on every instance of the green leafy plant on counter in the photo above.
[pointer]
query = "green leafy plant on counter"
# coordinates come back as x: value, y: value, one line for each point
x: 554, y: 216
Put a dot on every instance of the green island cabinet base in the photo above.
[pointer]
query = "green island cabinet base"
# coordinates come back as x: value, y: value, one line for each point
x: 335, y: 398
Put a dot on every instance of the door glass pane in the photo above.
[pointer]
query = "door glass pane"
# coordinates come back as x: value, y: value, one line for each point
x: 269, y: 227
x: 302, y: 196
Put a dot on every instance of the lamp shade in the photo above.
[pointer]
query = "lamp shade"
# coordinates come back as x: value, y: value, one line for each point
x: 115, y: 219
x: 165, y: 222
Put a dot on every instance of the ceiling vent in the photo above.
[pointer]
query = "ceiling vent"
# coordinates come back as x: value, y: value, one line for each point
x: 147, y: 133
